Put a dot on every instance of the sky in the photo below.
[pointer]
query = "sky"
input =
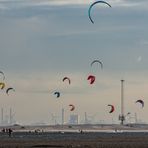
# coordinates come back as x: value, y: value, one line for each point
x: 42, y: 41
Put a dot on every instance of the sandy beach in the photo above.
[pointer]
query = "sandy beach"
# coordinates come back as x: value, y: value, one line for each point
x: 76, y: 140
x: 131, y: 138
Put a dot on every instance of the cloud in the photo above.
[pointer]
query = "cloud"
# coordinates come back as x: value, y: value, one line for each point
x: 79, y: 2
x: 3, y: 7
x: 41, y: 43
x: 143, y: 42
x: 139, y: 59
x: 47, y: 3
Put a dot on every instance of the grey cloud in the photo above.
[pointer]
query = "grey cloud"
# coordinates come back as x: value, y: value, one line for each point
x: 45, y: 42
x: 16, y: 4
x: 59, y: 38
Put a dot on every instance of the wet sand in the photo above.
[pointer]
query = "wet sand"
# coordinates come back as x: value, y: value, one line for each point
x: 75, y: 140
x: 69, y: 136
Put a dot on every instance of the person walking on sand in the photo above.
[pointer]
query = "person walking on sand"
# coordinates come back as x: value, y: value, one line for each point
x: 10, y: 132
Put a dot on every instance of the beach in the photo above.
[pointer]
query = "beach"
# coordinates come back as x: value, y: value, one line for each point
x: 76, y: 139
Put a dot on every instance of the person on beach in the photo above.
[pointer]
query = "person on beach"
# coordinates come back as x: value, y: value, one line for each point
x: 3, y: 130
x: 81, y: 131
x: 10, y: 132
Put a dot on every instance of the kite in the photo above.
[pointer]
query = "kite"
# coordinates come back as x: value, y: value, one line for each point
x: 97, y: 61
x: 89, y: 10
x: 112, y: 108
x: 2, y: 85
x: 72, y: 107
x: 8, y: 89
x: 141, y: 102
x: 57, y: 94
x: 66, y: 78
x: 91, y: 78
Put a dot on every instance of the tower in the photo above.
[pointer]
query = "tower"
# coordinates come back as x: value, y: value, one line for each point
x: 121, y: 116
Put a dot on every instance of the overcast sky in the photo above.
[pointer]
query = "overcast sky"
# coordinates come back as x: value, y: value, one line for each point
x: 41, y: 41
